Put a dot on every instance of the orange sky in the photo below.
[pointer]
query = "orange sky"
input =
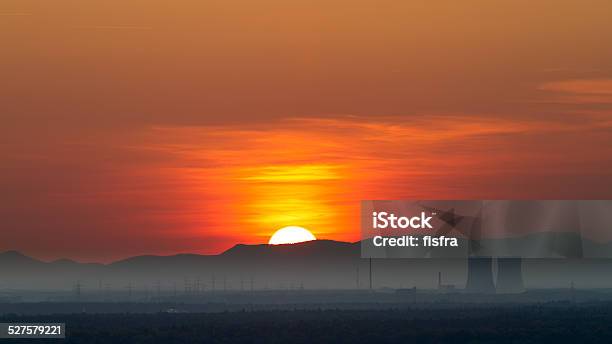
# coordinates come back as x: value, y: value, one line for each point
x: 148, y: 127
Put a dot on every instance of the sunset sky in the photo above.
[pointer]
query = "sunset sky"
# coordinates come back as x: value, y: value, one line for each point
x: 157, y: 127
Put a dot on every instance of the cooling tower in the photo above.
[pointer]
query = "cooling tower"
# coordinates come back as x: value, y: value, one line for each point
x: 509, y: 276
x: 480, y: 276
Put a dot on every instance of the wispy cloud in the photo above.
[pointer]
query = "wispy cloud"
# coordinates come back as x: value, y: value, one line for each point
x: 580, y: 86
x: 580, y: 91
x: 15, y: 14
x: 115, y: 27
x: 310, y: 171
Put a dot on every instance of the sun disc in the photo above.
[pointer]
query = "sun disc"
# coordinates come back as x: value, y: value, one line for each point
x: 291, y: 235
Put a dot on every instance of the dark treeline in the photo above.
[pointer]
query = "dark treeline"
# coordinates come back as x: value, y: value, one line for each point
x: 546, y: 323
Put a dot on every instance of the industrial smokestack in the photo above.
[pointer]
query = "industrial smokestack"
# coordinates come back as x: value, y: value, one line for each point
x: 480, y: 276
x: 509, y: 276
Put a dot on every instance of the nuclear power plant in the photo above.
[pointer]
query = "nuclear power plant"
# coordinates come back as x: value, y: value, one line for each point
x: 480, y: 276
x: 509, y: 276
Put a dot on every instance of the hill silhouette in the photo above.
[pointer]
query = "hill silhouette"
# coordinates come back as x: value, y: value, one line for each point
x: 320, y: 264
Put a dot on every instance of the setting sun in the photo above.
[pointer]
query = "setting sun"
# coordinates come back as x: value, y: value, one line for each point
x: 291, y: 235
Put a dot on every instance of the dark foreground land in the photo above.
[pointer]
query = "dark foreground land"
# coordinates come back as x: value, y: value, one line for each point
x: 539, y: 323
